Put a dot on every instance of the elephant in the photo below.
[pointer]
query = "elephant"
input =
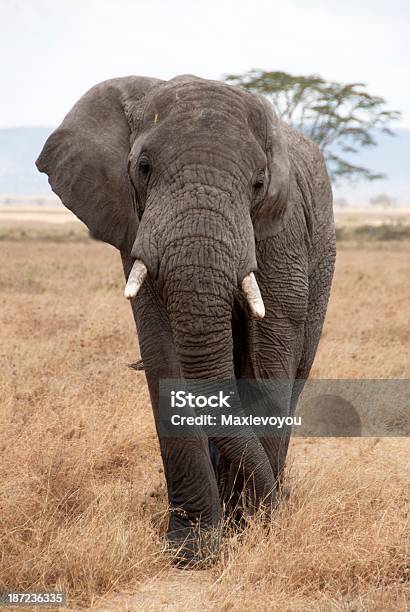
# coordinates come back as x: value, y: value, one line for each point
x: 223, y: 217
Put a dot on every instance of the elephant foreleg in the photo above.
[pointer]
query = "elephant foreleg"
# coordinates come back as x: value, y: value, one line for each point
x: 195, y: 509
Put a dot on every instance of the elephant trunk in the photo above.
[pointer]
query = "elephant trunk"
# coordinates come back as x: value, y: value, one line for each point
x: 198, y: 257
x: 198, y: 279
x: 200, y: 308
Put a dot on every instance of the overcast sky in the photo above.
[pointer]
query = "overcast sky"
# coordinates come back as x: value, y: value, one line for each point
x: 52, y: 51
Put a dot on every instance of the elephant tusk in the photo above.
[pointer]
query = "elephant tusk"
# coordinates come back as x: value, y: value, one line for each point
x: 253, y: 296
x: 136, y: 278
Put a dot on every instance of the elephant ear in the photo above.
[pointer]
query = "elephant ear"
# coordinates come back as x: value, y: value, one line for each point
x: 271, y: 213
x: 86, y: 159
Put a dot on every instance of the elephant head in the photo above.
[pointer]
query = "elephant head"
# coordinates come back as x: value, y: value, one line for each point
x: 185, y: 176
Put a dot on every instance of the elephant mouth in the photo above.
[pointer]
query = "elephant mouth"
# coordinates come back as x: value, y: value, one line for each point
x: 249, y: 287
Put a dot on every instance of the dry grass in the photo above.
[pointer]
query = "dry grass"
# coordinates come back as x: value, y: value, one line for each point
x: 339, y: 544
x: 82, y: 497
x: 366, y: 333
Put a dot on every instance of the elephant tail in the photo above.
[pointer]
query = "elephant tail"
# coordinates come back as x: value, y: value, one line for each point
x: 137, y: 365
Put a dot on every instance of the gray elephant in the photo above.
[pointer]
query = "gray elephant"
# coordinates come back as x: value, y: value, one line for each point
x: 223, y: 218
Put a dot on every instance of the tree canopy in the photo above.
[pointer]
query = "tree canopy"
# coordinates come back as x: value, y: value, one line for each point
x: 340, y: 117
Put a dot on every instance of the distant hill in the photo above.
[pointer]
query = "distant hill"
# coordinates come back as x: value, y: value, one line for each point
x: 20, y: 146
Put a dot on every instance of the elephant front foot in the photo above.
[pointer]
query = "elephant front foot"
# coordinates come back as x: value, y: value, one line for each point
x: 193, y: 546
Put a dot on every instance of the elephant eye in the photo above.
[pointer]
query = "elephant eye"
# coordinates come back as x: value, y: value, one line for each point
x: 259, y: 181
x: 144, y: 166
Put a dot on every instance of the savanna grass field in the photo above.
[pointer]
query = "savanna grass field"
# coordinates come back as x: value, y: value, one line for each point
x: 82, y: 492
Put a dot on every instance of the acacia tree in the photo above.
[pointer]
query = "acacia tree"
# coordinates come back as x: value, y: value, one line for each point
x: 341, y: 118
x: 383, y: 200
